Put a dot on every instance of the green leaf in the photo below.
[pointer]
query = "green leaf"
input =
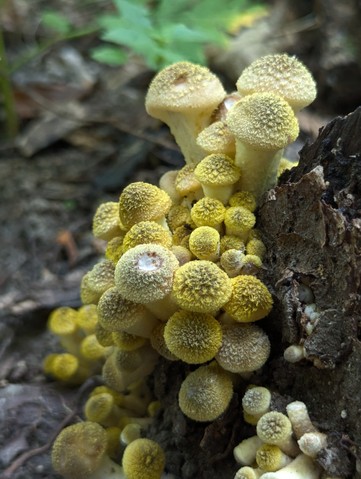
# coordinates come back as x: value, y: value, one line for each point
x: 133, y: 13
x: 112, y: 56
x: 56, y: 21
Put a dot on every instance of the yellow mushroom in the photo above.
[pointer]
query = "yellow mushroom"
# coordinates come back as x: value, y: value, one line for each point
x: 275, y: 428
x: 63, y: 323
x: 91, y: 349
x: 97, y: 281
x: 231, y: 242
x: 143, y: 459
x: 245, y: 199
x: 80, y: 452
x: 201, y: 286
x: 114, y: 249
x: 205, y: 393
x: 208, y: 212
x: 126, y: 341
x: 123, y: 368
x: 245, y: 452
x: 256, y: 401
x: 102, y: 409
x: 245, y: 348
x: 204, y: 243
x: 250, y: 299
x: 239, y: 221
x: 106, y: 221
x: 184, y: 96
x: 282, y: 74
x: 87, y: 318
x: 144, y: 274
x: 217, y: 174
x: 119, y: 314
x: 141, y: 201
x: 193, y: 337
x: 217, y: 138
x: 271, y: 458
x: 167, y: 184
x: 263, y: 124
x: 158, y: 343
x: 146, y: 232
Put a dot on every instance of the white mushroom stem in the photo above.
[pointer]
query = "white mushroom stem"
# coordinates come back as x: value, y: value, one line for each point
x: 312, y: 443
x: 245, y: 452
x: 302, y: 467
x: 262, y: 175
x: 300, y: 419
x: 294, y: 353
x: 248, y: 473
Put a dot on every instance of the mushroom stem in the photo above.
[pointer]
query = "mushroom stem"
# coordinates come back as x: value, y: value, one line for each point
x: 259, y: 168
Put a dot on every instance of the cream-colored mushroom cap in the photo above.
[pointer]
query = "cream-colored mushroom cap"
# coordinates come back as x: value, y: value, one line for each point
x: 263, y: 121
x: 183, y: 86
x: 245, y: 348
x: 141, y: 201
x: 281, y: 74
x: 145, y: 273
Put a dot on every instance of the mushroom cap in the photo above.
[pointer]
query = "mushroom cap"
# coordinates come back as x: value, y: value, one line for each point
x: 274, y: 428
x: 98, y: 407
x: 146, y: 232
x: 193, y: 337
x: 271, y: 458
x: 201, y: 286
x: 186, y: 181
x: 217, y: 138
x: 208, y: 212
x: 114, y: 249
x: 158, y: 342
x: 106, y: 221
x: 183, y: 87
x: 87, y: 318
x: 245, y: 348
x: 143, y: 459
x: 239, y: 220
x: 141, y: 201
x: 79, y: 449
x: 127, y: 341
x: 145, y: 273
x: 116, y: 313
x: 205, y: 393
x: 204, y: 242
x: 245, y: 199
x: 178, y: 215
x: 91, y: 349
x: 263, y: 121
x: 63, y: 321
x: 282, y: 74
x: 256, y: 400
x: 97, y: 281
x: 232, y: 242
x: 217, y: 170
x: 250, y: 300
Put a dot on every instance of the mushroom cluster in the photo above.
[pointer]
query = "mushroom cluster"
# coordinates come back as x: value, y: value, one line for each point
x: 182, y: 268
x: 285, y: 444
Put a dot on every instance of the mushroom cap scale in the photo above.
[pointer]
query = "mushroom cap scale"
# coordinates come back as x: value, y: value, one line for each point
x: 282, y: 74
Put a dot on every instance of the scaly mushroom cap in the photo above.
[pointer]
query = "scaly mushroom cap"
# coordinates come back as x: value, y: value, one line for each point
x: 201, y: 286
x: 263, y: 121
x: 217, y: 170
x: 245, y: 348
x: 126, y: 341
x: 217, y: 138
x: 239, y: 221
x: 141, y: 201
x: 256, y: 400
x: 208, y: 212
x: 193, y: 337
x: 183, y: 87
x: 205, y: 393
x: 79, y: 449
x: 143, y: 459
x: 204, y: 243
x: 271, y: 458
x: 281, y: 74
x: 146, y: 232
x: 250, y: 300
x: 97, y: 281
x: 119, y: 314
x: 274, y: 428
x: 145, y: 273
x: 245, y: 199
x: 186, y: 181
x: 106, y: 222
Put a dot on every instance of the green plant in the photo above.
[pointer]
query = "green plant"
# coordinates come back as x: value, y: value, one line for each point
x: 164, y: 32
